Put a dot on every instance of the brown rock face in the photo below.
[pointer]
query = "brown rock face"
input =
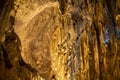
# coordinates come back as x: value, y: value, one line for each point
x: 59, y: 39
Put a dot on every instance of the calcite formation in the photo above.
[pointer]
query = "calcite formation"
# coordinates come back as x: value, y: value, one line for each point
x: 59, y: 40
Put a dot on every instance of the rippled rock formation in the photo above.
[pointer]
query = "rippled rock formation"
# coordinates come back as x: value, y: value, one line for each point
x: 59, y: 39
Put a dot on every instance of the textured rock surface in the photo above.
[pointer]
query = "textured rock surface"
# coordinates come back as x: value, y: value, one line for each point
x: 60, y: 40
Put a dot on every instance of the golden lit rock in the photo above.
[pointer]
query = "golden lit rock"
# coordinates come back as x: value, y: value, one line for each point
x: 59, y: 40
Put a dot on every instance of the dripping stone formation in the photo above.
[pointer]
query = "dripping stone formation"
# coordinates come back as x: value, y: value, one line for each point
x: 60, y: 40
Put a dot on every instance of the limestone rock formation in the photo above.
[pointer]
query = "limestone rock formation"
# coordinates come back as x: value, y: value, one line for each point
x: 59, y: 40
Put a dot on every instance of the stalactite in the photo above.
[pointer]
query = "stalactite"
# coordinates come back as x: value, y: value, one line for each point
x: 60, y: 39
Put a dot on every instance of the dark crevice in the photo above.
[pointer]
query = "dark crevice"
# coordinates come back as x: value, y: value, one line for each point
x: 62, y: 4
x: 53, y: 77
x: 2, y: 3
x: 97, y: 32
x: 28, y: 66
x: 8, y: 65
x: 12, y: 20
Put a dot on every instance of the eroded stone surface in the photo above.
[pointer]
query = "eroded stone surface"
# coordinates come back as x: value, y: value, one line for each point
x: 60, y: 40
x: 35, y: 33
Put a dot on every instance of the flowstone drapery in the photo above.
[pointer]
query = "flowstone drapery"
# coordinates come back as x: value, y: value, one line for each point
x: 59, y: 40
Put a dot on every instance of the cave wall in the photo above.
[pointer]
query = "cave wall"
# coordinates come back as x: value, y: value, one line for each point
x: 60, y: 40
x: 12, y: 66
x: 87, y: 41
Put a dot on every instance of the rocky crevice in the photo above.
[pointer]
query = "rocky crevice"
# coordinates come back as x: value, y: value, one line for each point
x: 59, y: 40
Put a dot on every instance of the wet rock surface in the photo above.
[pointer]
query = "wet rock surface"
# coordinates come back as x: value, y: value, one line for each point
x: 59, y: 40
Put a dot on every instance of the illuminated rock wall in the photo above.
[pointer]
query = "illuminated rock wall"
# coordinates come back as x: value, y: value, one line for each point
x: 60, y: 40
